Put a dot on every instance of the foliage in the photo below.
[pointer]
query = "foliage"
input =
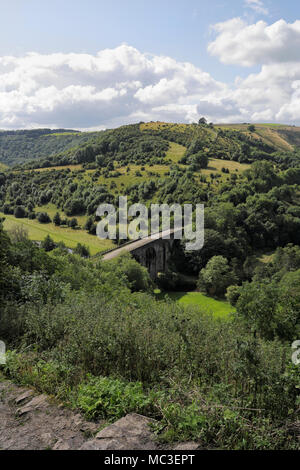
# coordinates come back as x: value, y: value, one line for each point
x: 216, y: 277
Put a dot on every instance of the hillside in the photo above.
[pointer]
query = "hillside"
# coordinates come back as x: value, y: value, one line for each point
x: 23, y: 145
x: 145, y: 142
x: 141, y: 161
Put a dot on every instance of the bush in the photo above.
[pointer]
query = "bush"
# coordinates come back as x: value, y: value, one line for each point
x: 43, y: 218
x: 232, y: 295
x: 82, y: 250
x: 48, y: 244
x: 137, y: 276
x: 105, y: 397
x: 20, y: 212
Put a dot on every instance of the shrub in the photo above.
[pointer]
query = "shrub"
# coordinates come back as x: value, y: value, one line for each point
x: 20, y: 212
x: 43, y: 218
x: 82, y: 250
x: 105, y: 397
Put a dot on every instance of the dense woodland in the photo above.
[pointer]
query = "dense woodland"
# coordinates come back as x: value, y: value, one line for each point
x: 90, y: 332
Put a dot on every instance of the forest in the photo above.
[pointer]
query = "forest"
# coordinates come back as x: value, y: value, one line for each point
x: 96, y: 335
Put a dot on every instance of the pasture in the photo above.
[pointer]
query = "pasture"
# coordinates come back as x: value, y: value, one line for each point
x: 218, y: 308
x: 67, y: 235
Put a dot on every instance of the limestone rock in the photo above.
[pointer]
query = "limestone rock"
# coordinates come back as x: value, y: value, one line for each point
x: 36, y: 403
x: 24, y: 396
x: 129, y: 433
x: 186, y: 446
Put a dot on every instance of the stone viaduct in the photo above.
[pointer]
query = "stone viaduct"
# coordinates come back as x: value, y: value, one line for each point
x: 153, y: 253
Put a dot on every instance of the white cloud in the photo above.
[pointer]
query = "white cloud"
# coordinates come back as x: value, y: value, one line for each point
x: 245, y: 44
x: 123, y: 85
x: 273, y: 93
x: 257, y: 6
x: 83, y: 90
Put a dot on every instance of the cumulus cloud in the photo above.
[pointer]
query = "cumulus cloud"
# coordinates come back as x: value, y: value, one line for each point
x: 245, y: 44
x: 272, y: 94
x: 123, y: 85
x: 83, y: 90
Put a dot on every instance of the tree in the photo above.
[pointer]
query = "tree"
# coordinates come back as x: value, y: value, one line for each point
x: 57, y: 219
x: 137, y: 276
x: 73, y: 223
x: 202, y: 121
x: 200, y: 159
x: 216, y: 276
x: 82, y: 250
x: 43, y: 218
x: 233, y: 294
x: 256, y: 306
x: 20, y: 212
x: 18, y: 233
x: 48, y: 244
x: 251, y: 128
x: 287, y: 315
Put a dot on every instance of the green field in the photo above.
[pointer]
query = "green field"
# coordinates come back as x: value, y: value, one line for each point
x: 70, y: 237
x: 175, y: 152
x: 219, y: 308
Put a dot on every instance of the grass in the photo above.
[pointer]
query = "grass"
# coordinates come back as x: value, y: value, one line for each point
x: 59, y: 134
x: 215, y: 167
x: 267, y: 132
x: 129, y: 178
x: 70, y: 237
x: 158, y: 125
x: 51, y: 210
x: 175, y: 152
x: 219, y: 308
x: 51, y: 168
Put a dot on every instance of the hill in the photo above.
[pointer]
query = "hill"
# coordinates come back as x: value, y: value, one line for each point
x: 145, y: 143
x: 142, y: 161
x: 24, y: 145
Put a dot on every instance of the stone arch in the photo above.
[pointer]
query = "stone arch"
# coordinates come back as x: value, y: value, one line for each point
x: 150, y: 260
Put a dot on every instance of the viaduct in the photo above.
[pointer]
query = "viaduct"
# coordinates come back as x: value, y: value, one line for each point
x: 152, y: 252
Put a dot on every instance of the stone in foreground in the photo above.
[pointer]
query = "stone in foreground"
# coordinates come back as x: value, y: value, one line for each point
x: 129, y: 433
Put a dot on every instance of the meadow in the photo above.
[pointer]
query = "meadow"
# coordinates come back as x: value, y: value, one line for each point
x: 67, y: 235
x: 218, y: 308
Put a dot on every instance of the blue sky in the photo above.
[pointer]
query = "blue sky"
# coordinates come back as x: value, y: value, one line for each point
x: 179, y: 30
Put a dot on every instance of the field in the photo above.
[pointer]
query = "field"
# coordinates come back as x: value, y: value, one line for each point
x: 63, y: 167
x: 70, y: 237
x: 215, y: 166
x: 269, y: 133
x: 175, y: 152
x: 218, y: 308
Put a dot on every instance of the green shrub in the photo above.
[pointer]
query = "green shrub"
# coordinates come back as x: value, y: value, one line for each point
x: 105, y: 397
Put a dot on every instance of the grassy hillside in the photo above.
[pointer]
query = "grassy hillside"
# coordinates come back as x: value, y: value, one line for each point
x: 218, y: 308
x: 144, y: 143
x: 68, y: 236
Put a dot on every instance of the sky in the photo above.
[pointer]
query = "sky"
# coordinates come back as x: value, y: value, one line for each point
x: 94, y: 64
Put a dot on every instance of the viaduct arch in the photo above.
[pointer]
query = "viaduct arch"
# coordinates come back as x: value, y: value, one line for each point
x: 153, y: 253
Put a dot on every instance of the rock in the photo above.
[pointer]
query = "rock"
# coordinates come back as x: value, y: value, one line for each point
x: 62, y: 445
x: 36, y: 403
x: 186, y: 446
x: 89, y: 428
x: 24, y: 396
x: 48, y: 439
x: 129, y: 433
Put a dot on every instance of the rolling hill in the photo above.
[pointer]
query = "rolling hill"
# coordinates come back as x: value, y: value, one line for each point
x: 145, y: 141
